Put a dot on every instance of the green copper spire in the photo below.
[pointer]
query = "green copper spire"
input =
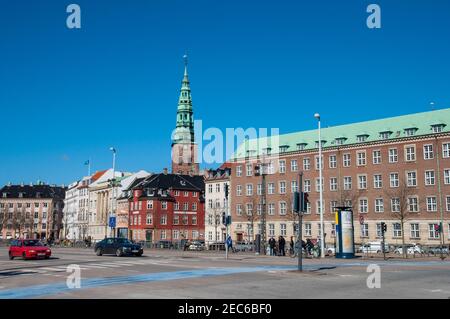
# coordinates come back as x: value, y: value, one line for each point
x: 184, y: 132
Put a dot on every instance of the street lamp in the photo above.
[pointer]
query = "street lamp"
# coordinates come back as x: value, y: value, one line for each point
x: 113, y: 150
x: 322, y: 244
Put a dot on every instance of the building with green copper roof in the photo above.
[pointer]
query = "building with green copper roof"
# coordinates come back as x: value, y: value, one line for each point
x: 382, y: 130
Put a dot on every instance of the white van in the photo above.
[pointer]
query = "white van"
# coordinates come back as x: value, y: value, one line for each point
x: 374, y: 247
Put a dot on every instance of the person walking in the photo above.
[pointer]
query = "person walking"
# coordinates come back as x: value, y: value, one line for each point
x: 281, y: 245
x: 291, y: 246
x: 272, y: 246
x: 309, y: 246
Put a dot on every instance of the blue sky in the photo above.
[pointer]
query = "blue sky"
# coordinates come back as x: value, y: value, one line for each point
x: 67, y: 95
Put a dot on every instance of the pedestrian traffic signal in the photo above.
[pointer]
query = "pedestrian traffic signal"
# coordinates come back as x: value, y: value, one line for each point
x: 305, y: 200
x: 257, y: 170
x: 438, y: 227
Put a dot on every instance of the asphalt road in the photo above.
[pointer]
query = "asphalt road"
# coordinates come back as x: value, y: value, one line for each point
x: 177, y: 274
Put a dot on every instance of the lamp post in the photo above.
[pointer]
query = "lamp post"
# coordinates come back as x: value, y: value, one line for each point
x: 322, y: 244
x: 112, y: 213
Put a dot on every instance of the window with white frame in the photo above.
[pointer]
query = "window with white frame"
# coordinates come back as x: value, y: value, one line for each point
x: 307, y: 186
x: 415, y: 232
x: 333, y: 183
x: 318, y: 207
x: 259, y: 208
x: 271, y: 188
x: 333, y: 205
x: 282, y: 166
x: 249, y: 189
x: 283, y: 208
x: 186, y: 206
x: 447, y: 199
x: 239, y: 209
x: 194, y: 206
x: 259, y: 189
x: 316, y: 160
x: 393, y: 155
x: 395, y: 205
x: 239, y: 170
x: 429, y: 178
x: 270, y: 168
x: 164, y: 205
x: 149, y: 219
x: 379, y: 205
x: 410, y: 131
x: 362, y: 181
x: 294, y: 186
x: 332, y: 161
x: 410, y: 153
x: 307, y: 229
x: 437, y: 128
x: 282, y: 187
x: 319, y: 184
x: 306, y: 163
x: 238, y: 190
x: 396, y: 230
x: 346, y: 160
x: 377, y: 181
x: 294, y: 165
x: 433, y: 232
x: 394, y: 180
x: 347, y: 182
x: 378, y: 229
x: 308, y: 208
x: 271, y: 229
x: 249, y: 169
x: 163, y: 220
x: 447, y: 176
x: 163, y: 234
x: 176, y: 234
x: 446, y: 150
x: 361, y: 158
x: 271, y: 208
x: 361, y: 138
x: 283, y: 229
x: 365, y: 230
x: 413, y: 204
x: 249, y: 209
x: 176, y: 220
x: 385, y: 135
x: 363, y: 205
x: 431, y: 204
x: 411, y: 178
x: 376, y: 157
x: 428, y: 152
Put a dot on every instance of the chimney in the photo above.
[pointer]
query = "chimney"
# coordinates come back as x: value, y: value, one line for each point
x: 165, y: 171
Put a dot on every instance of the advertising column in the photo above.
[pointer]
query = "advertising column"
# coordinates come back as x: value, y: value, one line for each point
x: 345, y: 244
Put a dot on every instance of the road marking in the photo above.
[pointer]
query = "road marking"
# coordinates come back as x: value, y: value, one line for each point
x: 107, y: 265
x: 52, y: 269
x: 94, y: 266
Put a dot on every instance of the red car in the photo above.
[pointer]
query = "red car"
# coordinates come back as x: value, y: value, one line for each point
x: 28, y: 248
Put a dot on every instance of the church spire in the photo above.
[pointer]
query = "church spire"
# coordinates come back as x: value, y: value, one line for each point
x: 185, y: 119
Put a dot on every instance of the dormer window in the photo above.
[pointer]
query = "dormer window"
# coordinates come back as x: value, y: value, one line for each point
x: 437, y: 128
x: 410, y: 131
x: 267, y: 150
x: 322, y: 143
x: 340, y: 140
x: 38, y: 195
x: 361, y: 138
x: 21, y: 195
x: 4, y: 195
x: 301, y: 146
x: 283, y: 148
x: 385, y: 135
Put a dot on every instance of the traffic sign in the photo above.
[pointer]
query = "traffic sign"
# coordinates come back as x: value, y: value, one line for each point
x: 112, y: 222
x: 361, y: 219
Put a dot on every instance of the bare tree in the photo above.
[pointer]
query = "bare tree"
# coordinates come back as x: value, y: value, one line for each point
x: 3, y: 217
x: 253, y: 216
x: 399, y: 197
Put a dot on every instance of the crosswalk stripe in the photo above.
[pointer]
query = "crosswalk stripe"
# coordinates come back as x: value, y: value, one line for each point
x: 107, y: 265
x: 51, y: 269
x: 95, y: 266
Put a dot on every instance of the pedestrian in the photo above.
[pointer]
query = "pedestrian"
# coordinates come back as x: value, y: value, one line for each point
x: 291, y: 246
x: 309, y: 245
x: 281, y: 244
x: 272, y: 246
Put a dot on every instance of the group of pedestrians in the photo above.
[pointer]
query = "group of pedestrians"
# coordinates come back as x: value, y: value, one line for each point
x: 277, y: 248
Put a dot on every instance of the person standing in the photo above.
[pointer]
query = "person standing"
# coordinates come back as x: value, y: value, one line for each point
x: 272, y: 246
x: 291, y: 246
x: 281, y: 245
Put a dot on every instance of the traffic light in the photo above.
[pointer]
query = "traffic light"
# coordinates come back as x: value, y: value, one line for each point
x: 224, y: 220
x: 296, y: 201
x: 305, y: 201
x: 257, y: 170
x: 383, y: 227
x: 438, y: 227
x: 226, y: 190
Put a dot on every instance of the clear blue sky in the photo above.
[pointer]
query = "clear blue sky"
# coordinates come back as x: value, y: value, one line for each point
x: 67, y: 95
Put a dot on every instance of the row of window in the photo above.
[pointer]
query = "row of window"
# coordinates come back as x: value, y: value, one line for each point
x: 27, y: 226
x: 217, y: 187
x: 22, y: 205
x: 411, y: 203
x: 18, y: 215
x: 377, y: 179
x: 136, y: 220
x: 163, y: 234
x: 176, y: 205
x: 361, y: 159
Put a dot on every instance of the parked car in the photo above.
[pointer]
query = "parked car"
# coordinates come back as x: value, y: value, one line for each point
x: 196, y: 245
x: 118, y: 246
x: 373, y: 248
x: 216, y: 246
x: 436, y: 250
x: 28, y: 248
x: 411, y: 249
x: 243, y: 246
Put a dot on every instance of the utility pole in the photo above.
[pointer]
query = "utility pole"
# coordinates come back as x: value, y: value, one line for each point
x: 321, y: 183
x: 112, y: 214
x: 300, y: 217
x: 441, y: 226
x: 260, y: 169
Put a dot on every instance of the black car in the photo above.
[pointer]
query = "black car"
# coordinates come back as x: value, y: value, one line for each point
x: 118, y: 246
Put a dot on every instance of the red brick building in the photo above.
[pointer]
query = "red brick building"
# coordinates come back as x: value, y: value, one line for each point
x: 167, y: 207
x: 382, y: 169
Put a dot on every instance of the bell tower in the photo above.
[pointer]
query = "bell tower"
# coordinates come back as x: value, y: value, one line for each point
x: 184, y: 149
